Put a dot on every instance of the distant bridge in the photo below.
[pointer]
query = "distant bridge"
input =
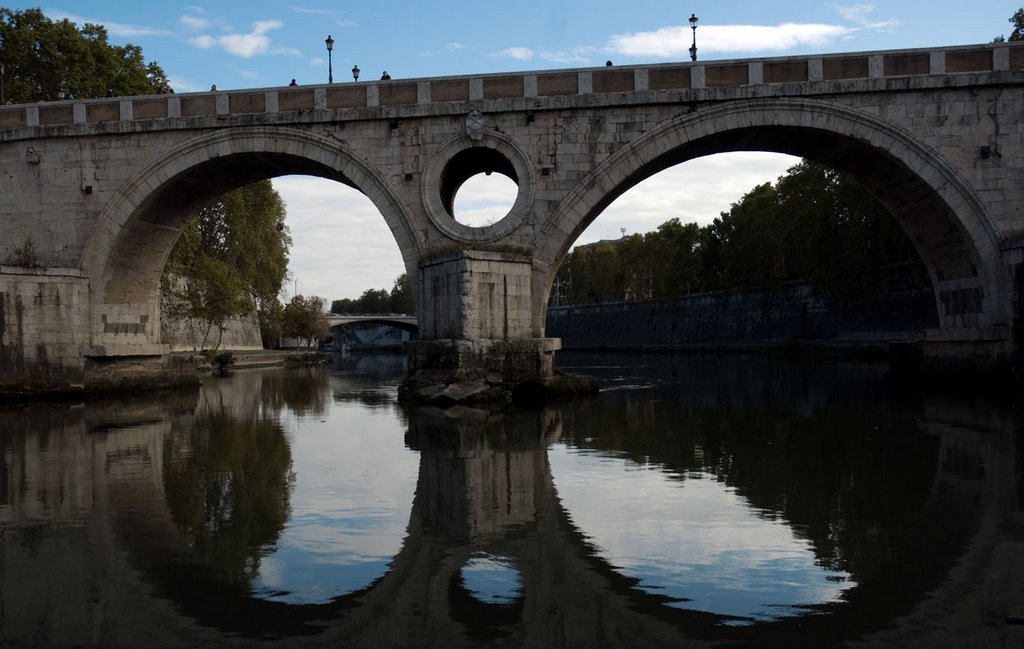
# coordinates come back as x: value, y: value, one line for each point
x: 398, y: 320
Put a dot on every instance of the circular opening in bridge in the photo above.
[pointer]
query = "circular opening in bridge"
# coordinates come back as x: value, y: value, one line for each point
x: 479, y: 186
x: 484, y: 199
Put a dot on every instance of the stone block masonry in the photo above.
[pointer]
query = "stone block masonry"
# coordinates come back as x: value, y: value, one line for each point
x: 103, y: 187
x: 43, y: 327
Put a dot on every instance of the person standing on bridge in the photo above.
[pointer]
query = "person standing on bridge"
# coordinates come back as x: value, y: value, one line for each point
x: 385, y: 76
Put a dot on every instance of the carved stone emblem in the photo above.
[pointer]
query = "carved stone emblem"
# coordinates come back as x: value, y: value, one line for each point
x: 475, y: 125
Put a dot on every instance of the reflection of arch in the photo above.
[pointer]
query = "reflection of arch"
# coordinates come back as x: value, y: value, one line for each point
x: 947, y: 224
x: 126, y: 251
x: 484, y: 486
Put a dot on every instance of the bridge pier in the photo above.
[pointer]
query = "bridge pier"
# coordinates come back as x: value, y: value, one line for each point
x: 477, y: 341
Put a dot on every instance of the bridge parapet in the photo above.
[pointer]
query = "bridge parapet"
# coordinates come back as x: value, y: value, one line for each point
x: 820, y: 72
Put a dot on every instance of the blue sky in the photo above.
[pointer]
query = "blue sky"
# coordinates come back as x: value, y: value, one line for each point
x: 255, y: 43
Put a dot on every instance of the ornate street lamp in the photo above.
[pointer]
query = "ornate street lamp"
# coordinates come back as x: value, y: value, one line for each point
x: 330, y: 69
x: 355, y: 73
x: 693, y: 26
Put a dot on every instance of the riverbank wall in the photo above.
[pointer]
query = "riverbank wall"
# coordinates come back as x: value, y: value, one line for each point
x: 789, y: 314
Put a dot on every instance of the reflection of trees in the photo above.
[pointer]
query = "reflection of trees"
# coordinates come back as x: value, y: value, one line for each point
x: 227, y: 485
x: 370, y: 380
x: 303, y: 390
x: 844, y: 467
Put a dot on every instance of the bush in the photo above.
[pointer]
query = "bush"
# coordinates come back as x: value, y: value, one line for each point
x: 221, y: 362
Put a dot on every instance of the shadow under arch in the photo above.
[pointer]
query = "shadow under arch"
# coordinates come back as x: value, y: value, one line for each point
x: 126, y: 251
x: 947, y: 224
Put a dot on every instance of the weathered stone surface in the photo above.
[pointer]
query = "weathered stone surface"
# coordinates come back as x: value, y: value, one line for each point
x: 101, y: 188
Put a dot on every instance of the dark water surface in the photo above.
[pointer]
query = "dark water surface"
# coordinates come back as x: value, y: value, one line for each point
x: 697, y: 501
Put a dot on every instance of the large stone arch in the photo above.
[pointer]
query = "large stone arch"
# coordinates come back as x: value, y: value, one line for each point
x: 955, y: 236
x: 126, y: 251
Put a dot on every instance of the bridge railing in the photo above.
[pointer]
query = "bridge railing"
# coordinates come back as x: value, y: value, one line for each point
x: 991, y: 57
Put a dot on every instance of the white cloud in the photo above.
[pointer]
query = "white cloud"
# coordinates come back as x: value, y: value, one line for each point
x: 341, y: 244
x: 184, y: 84
x: 121, y: 30
x: 861, y: 15
x: 518, y: 53
x: 697, y: 191
x: 484, y: 200
x: 675, y: 41
x: 245, y: 45
x: 194, y: 21
x: 580, y: 55
x: 333, y: 14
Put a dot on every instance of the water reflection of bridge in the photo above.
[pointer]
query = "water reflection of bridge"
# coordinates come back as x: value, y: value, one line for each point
x: 484, y: 486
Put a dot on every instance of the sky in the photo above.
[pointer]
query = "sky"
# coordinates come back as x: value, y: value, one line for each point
x: 341, y: 245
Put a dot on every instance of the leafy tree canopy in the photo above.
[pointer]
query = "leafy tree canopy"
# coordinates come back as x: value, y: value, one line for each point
x: 814, y: 225
x: 232, y: 257
x: 398, y: 300
x: 43, y: 59
x: 305, y: 319
x: 1017, y: 20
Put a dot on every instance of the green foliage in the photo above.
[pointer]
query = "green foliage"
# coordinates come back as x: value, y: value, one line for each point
x: 221, y: 362
x: 42, y: 58
x: 305, y: 319
x: 593, y: 274
x: 271, y: 317
x: 1017, y: 20
x: 232, y: 256
x: 401, y: 295
x: 398, y: 300
x: 814, y: 225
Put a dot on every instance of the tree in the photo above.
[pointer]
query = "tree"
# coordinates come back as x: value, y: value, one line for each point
x: 231, y: 258
x: 42, y: 60
x: 401, y: 296
x: 815, y: 225
x: 1017, y: 20
x: 305, y: 319
x: 398, y: 300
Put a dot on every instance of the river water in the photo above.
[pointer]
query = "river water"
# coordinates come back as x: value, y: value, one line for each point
x: 696, y: 501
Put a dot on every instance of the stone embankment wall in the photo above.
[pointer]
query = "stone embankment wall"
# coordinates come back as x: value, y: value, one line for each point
x: 791, y: 313
x: 242, y: 333
x: 184, y: 335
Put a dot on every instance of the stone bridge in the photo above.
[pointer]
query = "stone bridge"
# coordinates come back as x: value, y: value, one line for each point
x: 398, y: 320
x: 94, y: 193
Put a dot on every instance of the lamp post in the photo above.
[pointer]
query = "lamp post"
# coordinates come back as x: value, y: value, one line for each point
x: 693, y: 26
x: 355, y: 73
x: 330, y: 68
